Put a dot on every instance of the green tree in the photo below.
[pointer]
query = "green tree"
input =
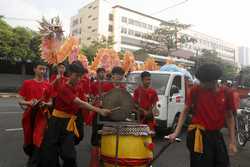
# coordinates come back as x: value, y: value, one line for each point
x: 246, y: 76
x: 19, y: 44
x: 167, y: 38
x: 25, y: 46
x: 6, y: 37
x: 141, y: 54
x: 211, y: 56
x: 102, y: 42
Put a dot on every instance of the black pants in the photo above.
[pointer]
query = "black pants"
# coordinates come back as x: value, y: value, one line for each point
x: 214, y: 148
x: 95, y: 137
x: 58, y: 142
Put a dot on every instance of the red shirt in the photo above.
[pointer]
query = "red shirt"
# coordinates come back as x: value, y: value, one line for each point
x: 145, y: 97
x: 109, y: 86
x: 210, y: 107
x: 65, y: 99
x: 57, y: 86
x: 31, y: 89
x: 99, y: 87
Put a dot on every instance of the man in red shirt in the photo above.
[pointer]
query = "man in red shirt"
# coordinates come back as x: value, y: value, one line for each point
x: 58, y: 80
x: 99, y: 89
x: 210, y: 106
x: 59, y: 139
x: 146, y: 98
x: 117, y: 75
x: 34, y: 94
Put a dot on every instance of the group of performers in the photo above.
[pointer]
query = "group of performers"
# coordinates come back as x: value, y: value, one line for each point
x: 55, y: 111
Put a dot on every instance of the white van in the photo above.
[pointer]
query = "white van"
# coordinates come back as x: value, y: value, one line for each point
x: 171, y: 100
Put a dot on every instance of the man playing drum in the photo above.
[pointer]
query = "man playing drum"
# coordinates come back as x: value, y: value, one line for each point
x: 59, y: 139
x: 98, y: 90
x: 146, y: 98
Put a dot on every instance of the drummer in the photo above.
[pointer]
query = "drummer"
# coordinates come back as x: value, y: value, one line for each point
x: 98, y: 89
x: 146, y: 98
x: 60, y: 136
x: 117, y: 74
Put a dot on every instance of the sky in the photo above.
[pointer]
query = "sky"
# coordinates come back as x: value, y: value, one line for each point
x: 224, y: 19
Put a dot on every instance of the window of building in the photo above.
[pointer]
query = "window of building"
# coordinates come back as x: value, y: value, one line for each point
x: 150, y: 27
x: 89, y: 38
x: 131, y: 21
x: 124, y: 30
x: 80, y: 31
x: 124, y: 19
x: 90, y: 7
x: 94, y: 7
x: 111, y: 17
x: 89, y: 27
x: 137, y: 34
x: 131, y: 32
x: 110, y: 28
x: 94, y: 30
x: 80, y: 20
x: 94, y: 19
x: 89, y: 16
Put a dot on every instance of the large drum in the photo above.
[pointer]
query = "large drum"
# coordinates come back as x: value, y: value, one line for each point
x: 130, y: 147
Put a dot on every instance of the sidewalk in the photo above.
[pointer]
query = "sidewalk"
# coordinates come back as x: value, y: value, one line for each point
x: 8, y: 95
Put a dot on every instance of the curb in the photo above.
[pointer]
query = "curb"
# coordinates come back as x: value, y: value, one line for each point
x: 8, y: 95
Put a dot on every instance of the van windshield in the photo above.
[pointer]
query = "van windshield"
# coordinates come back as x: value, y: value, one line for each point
x: 158, y: 82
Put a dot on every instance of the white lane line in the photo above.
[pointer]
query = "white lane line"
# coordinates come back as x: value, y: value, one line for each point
x: 13, y: 129
x: 14, y: 112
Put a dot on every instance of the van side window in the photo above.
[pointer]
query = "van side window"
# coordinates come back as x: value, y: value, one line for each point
x: 177, y: 82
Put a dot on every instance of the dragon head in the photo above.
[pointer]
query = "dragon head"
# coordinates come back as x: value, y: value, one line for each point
x: 52, y: 29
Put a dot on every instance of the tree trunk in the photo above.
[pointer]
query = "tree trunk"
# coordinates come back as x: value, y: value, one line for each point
x: 23, y: 68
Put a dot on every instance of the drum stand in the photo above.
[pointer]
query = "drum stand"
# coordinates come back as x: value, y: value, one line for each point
x: 117, y: 144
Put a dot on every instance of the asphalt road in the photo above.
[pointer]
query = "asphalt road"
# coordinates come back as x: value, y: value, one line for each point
x: 11, y: 154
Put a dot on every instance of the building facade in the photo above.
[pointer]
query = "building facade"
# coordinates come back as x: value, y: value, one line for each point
x: 128, y: 28
x: 244, y: 56
x: 225, y: 50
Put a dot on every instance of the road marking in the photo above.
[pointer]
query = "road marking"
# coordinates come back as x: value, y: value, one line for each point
x: 13, y: 129
x: 14, y: 112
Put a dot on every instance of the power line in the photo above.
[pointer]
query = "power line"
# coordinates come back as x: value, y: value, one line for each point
x: 173, y: 6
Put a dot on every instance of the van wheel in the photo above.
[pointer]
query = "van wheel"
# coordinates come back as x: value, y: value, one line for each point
x: 175, y: 122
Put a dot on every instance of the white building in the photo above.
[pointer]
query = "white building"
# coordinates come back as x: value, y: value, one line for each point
x: 128, y: 28
x: 244, y: 56
x: 225, y: 50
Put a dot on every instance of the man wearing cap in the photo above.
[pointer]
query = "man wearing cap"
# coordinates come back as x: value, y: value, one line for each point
x: 211, y: 107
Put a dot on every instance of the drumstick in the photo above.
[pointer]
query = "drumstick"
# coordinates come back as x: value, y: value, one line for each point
x: 115, y: 109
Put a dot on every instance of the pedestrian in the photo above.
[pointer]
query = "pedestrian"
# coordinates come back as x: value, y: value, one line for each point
x: 33, y: 97
x: 146, y: 98
x: 211, y: 107
x: 59, y: 138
